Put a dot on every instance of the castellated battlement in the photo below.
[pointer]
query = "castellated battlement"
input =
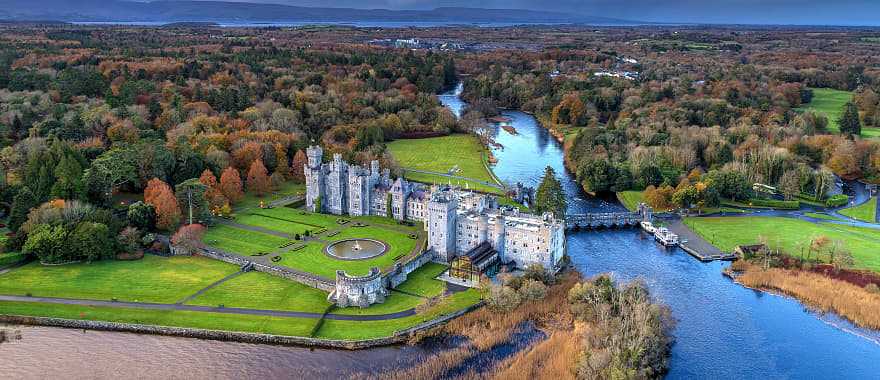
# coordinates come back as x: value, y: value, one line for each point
x: 361, y: 291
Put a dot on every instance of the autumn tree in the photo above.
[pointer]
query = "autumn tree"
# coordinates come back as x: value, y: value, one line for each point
x: 230, y: 185
x: 282, y: 167
x: 298, y: 166
x: 188, y: 239
x: 258, y: 179
x: 212, y: 192
x: 159, y: 195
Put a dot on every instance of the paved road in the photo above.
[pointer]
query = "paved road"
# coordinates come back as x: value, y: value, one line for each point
x: 208, y: 309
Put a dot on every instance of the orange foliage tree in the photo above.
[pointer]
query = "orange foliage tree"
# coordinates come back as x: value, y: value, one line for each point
x: 213, y: 194
x: 258, y: 179
x: 230, y: 185
x: 297, y: 168
x: 160, y: 195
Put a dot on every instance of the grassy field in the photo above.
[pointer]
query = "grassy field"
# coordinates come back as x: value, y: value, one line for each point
x: 440, y: 154
x: 152, y: 279
x: 275, y: 224
x: 789, y: 235
x: 393, y: 303
x: 866, y: 212
x: 829, y: 102
x: 422, y: 281
x: 241, y: 241
x: 312, y: 258
x: 299, y: 216
x: 252, y: 201
x: 256, y: 290
x: 631, y: 199
x: 192, y: 319
x: 353, y: 330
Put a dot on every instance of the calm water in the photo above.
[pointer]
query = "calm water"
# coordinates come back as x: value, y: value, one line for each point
x: 724, y: 331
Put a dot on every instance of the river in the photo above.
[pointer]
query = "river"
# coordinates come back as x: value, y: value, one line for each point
x: 724, y: 331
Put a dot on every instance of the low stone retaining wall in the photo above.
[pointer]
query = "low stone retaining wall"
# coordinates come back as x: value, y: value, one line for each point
x: 232, y: 336
x: 300, y: 277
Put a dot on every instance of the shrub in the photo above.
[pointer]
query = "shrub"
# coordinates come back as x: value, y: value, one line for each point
x: 837, y: 200
x: 503, y: 298
x: 532, y: 290
x: 786, y: 205
x: 873, y: 288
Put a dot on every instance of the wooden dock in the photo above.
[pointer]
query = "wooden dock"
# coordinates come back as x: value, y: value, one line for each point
x: 696, y: 246
x: 707, y: 256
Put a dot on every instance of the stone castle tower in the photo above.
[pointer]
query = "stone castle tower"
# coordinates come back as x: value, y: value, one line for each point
x: 314, y: 173
x: 336, y: 187
x: 441, y: 225
x: 361, y: 182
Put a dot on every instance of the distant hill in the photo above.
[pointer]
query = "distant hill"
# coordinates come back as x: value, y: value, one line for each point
x: 218, y: 11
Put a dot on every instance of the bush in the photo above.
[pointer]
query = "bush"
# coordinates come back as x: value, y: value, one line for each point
x: 872, y: 288
x: 785, y: 205
x: 503, y: 298
x: 11, y: 258
x: 532, y: 290
x: 837, y: 200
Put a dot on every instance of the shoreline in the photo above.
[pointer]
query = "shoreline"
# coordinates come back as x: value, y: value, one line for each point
x: 235, y: 336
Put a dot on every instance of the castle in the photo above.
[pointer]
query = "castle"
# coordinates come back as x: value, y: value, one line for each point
x: 456, y: 221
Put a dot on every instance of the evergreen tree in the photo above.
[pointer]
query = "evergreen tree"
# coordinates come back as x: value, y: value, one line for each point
x: 849, y: 121
x: 22, y: 204
x: 193, y: 203
x: 69, y: 184
x: 550, y: 195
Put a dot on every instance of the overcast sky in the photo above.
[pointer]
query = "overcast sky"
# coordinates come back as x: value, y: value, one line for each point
x: 838, y: 12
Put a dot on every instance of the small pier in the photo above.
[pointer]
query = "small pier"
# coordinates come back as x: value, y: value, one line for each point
x: 696, y: 246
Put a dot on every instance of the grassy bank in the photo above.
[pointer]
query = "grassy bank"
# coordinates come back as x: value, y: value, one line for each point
x: 850, y: 301
x: 866, y: 212
x: 441, y: 154
x: 828, y: 102
x: 631, y: 199
x: 792, y: 236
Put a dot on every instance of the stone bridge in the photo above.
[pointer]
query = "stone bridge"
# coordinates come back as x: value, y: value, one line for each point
x: 609, y: 219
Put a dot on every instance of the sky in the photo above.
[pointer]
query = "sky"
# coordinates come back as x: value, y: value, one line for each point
x: 813, y: 12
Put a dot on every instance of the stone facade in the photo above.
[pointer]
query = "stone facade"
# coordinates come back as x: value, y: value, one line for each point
x: 358, y: 291
x: 456, y: 221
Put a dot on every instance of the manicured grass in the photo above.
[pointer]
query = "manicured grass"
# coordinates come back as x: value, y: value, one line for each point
x: 829, y: 102
x: 787, y: 233
x: 312, y: 258
x: 11, y: 258
x: 385, y: 221
x: 440, y: 154
x: 393, y: 303
x: 152, y: 279
x: 866, y: 212
x: 354, y: 330
x: 252, y: 201
x: 256, y: 290
x: 300, y: 216
x: 241, y: 241
x: 422, y: 281
x: 275, y: 224
x: 631, y: 199
x: 821, y: 216
x: 192, y: 319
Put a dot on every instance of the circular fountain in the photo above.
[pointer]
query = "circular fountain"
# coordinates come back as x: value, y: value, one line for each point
x: 356, y: 249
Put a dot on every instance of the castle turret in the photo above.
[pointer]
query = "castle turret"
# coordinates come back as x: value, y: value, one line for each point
x: 441, y: 223
x: 314, y: 173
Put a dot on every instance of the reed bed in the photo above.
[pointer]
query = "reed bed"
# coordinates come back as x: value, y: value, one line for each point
x: 852, y: 302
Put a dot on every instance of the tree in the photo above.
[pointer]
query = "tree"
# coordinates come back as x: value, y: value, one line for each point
x: 69, y: 182
x: 190, y: 196
x: 188, y: 239
x: 90, y: 241
x: 48, y: 243
x: 258, y: 179
x: 22, y: 204
x: 142, y: 215
x: 849, y: 121
x: 790, y: 184
x: 298, y: 166
x: 550, y: 196
x: 281, y: 163
x: 159, y: 195
x: 213, y: 194
x: 230, y: 185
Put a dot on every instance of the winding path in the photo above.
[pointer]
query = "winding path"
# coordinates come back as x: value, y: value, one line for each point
x: 208, y: 309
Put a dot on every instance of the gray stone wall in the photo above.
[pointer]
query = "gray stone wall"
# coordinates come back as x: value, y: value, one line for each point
x: 287, y: 273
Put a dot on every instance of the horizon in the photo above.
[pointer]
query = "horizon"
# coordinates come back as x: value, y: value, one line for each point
x: 846, y: 13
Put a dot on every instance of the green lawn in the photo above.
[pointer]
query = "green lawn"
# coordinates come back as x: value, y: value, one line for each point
x: 866, y: 212
x: 631, y: 199
x: 192, y: 319
x: 354, y: 330
x: 821, y: 216
x: 422, y: 281
x: 829, y: 102
x: 300, y: 216
x: 787, y: 233
x: 241, y: 241
x: 393, y: 303
x: 440, y: 154
x: 152, y: 279
x: 256, y: 290
x: 312, y: 258
x: 252, y: 201
x: 272, y: 223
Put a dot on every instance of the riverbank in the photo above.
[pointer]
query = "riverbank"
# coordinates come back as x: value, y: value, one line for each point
x: 857, y: 304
